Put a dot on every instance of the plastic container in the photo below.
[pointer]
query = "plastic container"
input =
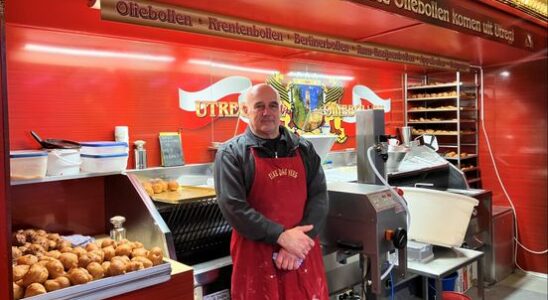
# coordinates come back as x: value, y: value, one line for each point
x: 438, y: 218
x: 28, y: 164
x: 419, y: 252
x: 63, y: 162
x: 104, y: 162
x: 447, y: 285
x: 103, y: 147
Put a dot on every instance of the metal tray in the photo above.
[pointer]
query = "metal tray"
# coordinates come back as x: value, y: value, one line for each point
x: 111, y: 286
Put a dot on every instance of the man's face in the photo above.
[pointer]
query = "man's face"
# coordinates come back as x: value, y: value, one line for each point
x: 263, y: 110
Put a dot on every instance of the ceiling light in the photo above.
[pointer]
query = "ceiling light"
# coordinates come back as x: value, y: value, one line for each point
x: 505, y: 74
x: 96, y: 53
x: 319, y: 76
x: 231, y: 67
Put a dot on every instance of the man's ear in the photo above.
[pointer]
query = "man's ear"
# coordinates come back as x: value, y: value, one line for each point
x: 244, y: 110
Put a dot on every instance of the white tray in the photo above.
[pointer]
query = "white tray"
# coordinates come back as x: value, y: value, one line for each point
x: 111, y: 286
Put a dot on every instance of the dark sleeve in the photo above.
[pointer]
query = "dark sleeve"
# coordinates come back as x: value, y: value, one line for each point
x: 231, y: 197
x: 317, y: 204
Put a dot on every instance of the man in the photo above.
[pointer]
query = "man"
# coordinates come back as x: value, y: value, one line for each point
x: 271, y: 188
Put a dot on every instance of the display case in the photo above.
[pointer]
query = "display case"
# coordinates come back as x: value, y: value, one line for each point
x: 446, y: 105
x: 83, y: 204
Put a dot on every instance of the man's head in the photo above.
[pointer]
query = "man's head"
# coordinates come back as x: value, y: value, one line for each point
x: 262, y: 107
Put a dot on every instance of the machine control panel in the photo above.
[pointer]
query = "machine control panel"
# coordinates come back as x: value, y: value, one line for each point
x: 382, y: 201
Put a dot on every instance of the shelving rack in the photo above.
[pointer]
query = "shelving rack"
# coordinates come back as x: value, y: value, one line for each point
x: 446, y: 105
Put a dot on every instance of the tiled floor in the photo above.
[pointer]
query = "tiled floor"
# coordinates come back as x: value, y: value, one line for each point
x: 518, y: 286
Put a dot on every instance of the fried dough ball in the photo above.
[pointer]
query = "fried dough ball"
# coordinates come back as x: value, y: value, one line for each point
x: 91, y: 246
x: 52, y: 285
x: 148, y: 188
x: 25, y: 248
x: 55, y: 268
x: 19, y: 271
x: 66, y: 250
x: 63, y: 281
x: 108, y: 242
x: 79, y: 251
x: 29, y: 233
x: 96, y: 270
x: 96, y: 256
x: 36, y: 249
x: 145, y: 261
x: 105, y: 265
x: 83, y: 260
x: 42, y: 241
x: 109, y: 252
x: 52, y: 244
x: 41, y: 232
x: 36, y: 274
x: 19, y: 239
x: 18, y: 292
x: 43, y: 260
x: 134, y: 266
x: 15, y: 253
x: 123, y: 258
x: 137, y: 244
x: 54, y: 237
x: 173, y: 185
x: 69, y: 260
x: 28, y: 259
x: 139, y: 252
x: 155, y: 255
x: 124, y: 249
x: 35, y: 289
x: 116, y: 267
x: 79, y: 276
x: 53, y: 253
x: 157, y: 187
x: 61, y: 244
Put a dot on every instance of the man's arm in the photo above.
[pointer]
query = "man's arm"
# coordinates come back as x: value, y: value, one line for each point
x: 231, y: 197
x: 317, y: 204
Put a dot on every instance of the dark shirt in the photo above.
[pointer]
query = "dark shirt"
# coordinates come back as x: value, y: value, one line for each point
x: 234, y: 172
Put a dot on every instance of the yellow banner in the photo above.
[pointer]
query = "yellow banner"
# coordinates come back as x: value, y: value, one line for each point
x: 183, y: 19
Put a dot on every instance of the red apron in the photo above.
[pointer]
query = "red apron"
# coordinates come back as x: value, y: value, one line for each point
x: 279, y: 193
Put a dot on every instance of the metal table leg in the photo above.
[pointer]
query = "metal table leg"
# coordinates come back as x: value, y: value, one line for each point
x: 439, y: 289
x: 425, y: 287
x: 481, y: 293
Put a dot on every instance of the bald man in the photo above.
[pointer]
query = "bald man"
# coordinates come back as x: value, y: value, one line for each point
x: 271, y: 188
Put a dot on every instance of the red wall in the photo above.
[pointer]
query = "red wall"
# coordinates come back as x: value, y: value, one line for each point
x: 516, y: 121
x: 83, y: 98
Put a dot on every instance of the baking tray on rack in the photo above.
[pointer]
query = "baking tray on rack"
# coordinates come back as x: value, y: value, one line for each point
x: 111, y: 286
x: 184, y: 193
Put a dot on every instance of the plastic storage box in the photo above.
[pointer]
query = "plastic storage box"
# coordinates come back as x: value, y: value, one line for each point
x: 103, y: 147
x: 63, y: 162
x: 28, y: 164
x: 438, y: 218
x: 104, y: 162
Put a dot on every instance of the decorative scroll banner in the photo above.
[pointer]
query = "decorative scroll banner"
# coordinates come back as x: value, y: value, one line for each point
x: 178, y: 18
x: 451, y: 14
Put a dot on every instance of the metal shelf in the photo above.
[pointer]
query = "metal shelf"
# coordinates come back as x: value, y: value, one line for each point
x: 444, y: 134
x: 442, y: 122
x: 462, y: 158
x: 440, y: 110
x: 60, y: 178
x: 462, y: 98
x: 438, y: 86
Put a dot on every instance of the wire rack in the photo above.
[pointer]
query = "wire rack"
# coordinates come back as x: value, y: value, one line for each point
x: 200, y: 233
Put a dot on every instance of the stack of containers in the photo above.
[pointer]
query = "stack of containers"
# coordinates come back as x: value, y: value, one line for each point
x: 104, y: 156
x: 28, y: 164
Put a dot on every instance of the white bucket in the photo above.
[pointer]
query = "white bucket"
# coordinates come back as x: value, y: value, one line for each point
x: 63, y: 162
x: 438, y: 218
